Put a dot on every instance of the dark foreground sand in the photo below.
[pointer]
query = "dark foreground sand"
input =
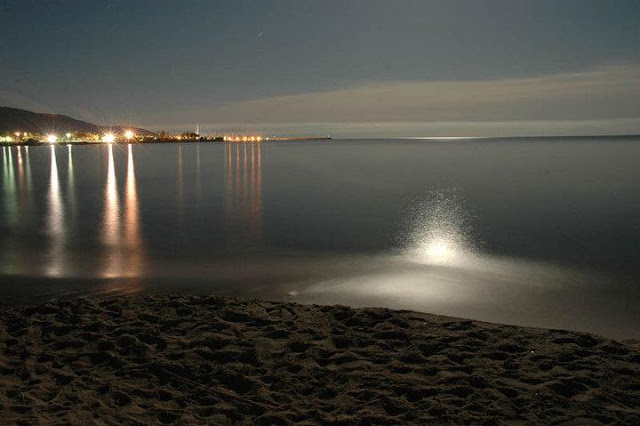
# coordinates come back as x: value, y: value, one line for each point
x: 194, y: 360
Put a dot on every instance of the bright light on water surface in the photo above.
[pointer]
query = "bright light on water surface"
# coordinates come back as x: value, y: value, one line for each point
x: 441, y: 230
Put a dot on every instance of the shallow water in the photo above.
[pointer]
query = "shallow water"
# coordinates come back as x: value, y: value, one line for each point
x: 540, y: 232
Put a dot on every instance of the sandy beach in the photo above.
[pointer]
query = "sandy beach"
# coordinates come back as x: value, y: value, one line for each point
x: 207, y: 359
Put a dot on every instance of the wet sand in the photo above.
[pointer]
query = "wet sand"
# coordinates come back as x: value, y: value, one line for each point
x: 206, y: 359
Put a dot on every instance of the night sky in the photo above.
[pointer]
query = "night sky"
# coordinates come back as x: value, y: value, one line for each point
x: 169, y: 64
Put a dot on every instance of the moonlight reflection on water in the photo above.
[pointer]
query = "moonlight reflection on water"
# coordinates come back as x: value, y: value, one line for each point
x: 441, y: 233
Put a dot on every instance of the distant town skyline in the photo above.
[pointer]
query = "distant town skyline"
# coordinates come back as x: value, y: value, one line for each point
x: 485, y: 68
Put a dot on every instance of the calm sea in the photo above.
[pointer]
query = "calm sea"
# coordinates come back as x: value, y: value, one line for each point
x: 541, y: 232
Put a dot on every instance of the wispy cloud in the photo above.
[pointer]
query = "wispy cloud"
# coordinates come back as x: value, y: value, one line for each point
x: 603, y: 94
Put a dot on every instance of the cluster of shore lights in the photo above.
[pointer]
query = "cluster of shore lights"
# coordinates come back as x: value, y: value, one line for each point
x: 107, y: 137
x: 110, y: 137
x: 243, y: 138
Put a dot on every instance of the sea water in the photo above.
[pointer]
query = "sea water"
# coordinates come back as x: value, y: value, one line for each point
x: 529, y: 231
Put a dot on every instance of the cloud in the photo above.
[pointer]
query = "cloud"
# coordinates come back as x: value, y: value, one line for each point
x: 603, y: 94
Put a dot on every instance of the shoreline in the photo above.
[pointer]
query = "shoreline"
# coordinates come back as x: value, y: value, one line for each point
x: 449, y: 139
x: 164, y: 141
x: 213, y: 359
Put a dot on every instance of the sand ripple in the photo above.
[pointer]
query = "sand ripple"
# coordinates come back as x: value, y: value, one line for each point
x: 194, y: 360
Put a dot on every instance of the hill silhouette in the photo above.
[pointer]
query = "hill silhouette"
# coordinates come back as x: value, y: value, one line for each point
x: 14, y: 119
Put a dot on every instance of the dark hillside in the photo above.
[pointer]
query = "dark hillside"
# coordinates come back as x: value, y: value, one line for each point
x: 13, y: 119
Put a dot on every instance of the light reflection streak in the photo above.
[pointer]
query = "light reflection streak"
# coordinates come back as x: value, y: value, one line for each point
x: 55, y: 221
x: 236, y: 190
x: 8, y: 258
x: 10, y: 191
x: 24, y: 195
x: 28, y: 168
x: 71, y: 184
x: 20, y: 169
x: 132, y: 234
x: 28, y: 181
x: 111, y: 221
x: 258, y: 198
x: 245, y: 180
x: 252, y: 178
x: 9, y: 187
x: 180, y: 187
x: 229, y: 170
x: 121, y: 232
x: 198, y: 177
x: 244, y: 195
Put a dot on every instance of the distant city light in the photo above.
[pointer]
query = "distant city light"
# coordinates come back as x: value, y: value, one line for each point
x: 231, y: 138
x: 129, y: 134
x: 51, y: 138
x: 68, y: 135
x: 108, y: 138
x: 17, y: 134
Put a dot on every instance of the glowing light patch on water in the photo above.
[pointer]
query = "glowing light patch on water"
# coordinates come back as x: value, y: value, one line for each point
x: 441, y: 231
x: 439, y: 251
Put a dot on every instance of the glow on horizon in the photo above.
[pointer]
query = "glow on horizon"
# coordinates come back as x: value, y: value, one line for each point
x: 51, y: 138
x: 444, y: 138
x: 108, y: 138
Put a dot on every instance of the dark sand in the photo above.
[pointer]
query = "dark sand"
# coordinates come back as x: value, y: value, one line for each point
x: 194, y: 360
